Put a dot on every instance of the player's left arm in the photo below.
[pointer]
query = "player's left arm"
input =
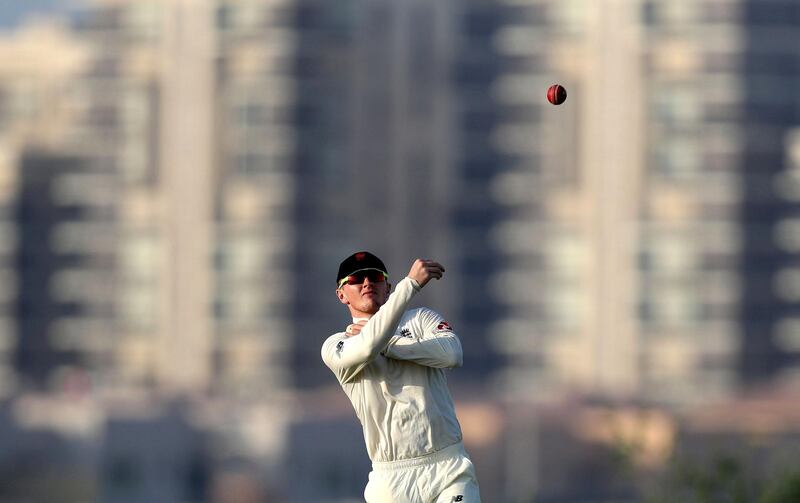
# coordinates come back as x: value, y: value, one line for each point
x: 432, y: 342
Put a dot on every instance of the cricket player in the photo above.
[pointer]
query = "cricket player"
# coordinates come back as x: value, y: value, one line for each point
x: 391, y: 364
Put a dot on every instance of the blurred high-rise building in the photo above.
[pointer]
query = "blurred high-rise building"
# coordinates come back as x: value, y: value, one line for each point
x: 636, y: 240
x: 608, y: 245
x: 65, y: 258
x: 379, y: 165
x: 202, y: 144
x: 55, y: 244
x: 719, y: 279
x: 659, y: 199
x: 138, y: 121
x: 255, y: 192
x: 172, y: 114
x: 769, y: 110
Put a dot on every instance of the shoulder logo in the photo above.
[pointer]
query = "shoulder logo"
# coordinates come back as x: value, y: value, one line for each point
x: 339, y: 346
x: 444, y: 326
x: 405, y: 332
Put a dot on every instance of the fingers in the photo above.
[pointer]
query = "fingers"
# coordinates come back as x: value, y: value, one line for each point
x: 432, y: 264
x: 354, y: 328
x: 423, y: 270
x: 435, y: 269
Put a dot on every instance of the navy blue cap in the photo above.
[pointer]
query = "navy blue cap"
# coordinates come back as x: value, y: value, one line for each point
x: 359, y: 261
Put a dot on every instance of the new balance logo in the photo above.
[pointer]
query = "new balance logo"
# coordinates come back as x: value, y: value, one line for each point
x: 404, y: 332
x: 458, y: 498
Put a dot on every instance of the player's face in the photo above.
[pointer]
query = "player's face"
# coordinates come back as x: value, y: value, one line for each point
x: 364, y: 293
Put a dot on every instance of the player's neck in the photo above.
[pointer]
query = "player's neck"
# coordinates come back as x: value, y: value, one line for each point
x: 360, y: 315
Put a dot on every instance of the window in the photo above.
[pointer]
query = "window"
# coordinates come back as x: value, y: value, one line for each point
x: 678, y: 158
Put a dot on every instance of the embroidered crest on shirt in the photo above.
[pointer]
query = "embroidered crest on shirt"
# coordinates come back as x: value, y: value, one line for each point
x: 443, y: 326
x: 405, y: 332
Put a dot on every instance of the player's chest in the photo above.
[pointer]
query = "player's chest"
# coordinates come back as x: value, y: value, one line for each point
x: 397, y: 372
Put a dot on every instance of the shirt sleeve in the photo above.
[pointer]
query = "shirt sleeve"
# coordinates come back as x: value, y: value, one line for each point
x: 432, y: 343
x: 347, y: 356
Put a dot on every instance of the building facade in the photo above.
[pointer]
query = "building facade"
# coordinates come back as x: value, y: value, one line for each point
x: 634, y: 241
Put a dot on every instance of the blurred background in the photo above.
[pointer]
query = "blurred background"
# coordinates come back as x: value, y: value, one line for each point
x: 179, y: 180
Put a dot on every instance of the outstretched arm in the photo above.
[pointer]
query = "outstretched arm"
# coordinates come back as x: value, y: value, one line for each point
x: 348, y: 354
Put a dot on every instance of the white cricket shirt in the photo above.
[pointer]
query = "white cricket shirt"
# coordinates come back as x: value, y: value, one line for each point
x: 393, y: 373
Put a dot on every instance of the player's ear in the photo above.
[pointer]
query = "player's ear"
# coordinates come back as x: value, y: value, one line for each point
x: 342, y: 298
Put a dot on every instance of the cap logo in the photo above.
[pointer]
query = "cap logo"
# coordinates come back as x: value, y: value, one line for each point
x: 360, y: 256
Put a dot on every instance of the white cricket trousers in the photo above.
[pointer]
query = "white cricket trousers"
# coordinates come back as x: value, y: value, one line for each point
x: 445, y: 476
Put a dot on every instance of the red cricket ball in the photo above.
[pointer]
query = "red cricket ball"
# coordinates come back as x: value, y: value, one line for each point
x: 556, y: 94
